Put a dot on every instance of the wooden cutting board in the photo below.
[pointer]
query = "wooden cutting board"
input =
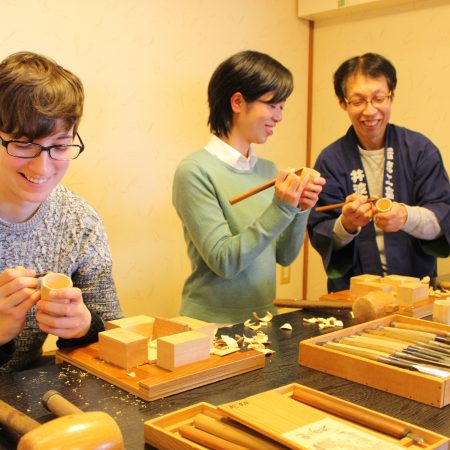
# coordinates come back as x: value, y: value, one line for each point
x: 151, y: 382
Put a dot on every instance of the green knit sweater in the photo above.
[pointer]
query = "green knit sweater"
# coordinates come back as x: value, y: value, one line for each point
x: 232, y: 248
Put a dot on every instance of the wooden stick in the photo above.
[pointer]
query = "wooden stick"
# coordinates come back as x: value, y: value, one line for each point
x: 261, y: 187
x: 412, y: 326
x: 232, y: 434
x: 340, y: 205
x: 354, y: 413
x: 313, y: 304
x: 206, y: 439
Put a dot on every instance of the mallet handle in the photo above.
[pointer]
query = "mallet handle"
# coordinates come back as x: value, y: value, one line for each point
x: 16, y: 420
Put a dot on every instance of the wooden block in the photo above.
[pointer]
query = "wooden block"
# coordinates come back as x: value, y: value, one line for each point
x: 166, y: 327
x: 123, y: 348
x: 182, y: 348
x: 198, y: 325
x: 397, y: 280
x: 410, y: 293
x: 362, y: 278
x: 364, y: 287
x: 138, y: 324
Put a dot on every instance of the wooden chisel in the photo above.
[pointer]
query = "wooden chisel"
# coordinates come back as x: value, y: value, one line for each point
x: 412, y: 326
x: 385, y: 358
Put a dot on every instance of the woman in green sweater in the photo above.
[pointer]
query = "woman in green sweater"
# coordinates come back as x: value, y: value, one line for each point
x: 234, y: 249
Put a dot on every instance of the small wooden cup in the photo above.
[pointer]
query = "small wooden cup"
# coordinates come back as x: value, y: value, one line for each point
x: 383, y: 205
x: 52, y: 282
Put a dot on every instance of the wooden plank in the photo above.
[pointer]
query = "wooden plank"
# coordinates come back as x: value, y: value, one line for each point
x: 151, y: 382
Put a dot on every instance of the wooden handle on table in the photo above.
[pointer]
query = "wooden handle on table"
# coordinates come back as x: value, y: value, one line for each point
x: 261, y: 187
x: 53, y: 401
x: 352, y: 412
x: 412, y: 326
x: 15, y: 420
x: 208, y: 440
x: 312, y: 304
x: 232, y: 434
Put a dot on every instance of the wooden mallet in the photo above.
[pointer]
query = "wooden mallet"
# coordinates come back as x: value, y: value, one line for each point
x: 86, y: 430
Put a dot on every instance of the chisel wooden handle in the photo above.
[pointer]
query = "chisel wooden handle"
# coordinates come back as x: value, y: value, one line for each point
x: 352, y: 412
x: 208, y: 440
x: 313, y: 304
x: 58, y: 405
x: 261, y: 187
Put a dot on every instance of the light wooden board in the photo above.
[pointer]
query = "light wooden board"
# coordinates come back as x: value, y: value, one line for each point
x: 151, y: 382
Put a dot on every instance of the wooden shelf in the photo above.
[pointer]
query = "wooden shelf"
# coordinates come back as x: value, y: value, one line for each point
x: 324, y: 9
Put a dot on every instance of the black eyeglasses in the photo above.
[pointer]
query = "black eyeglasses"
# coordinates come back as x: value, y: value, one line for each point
x: 28, y: 150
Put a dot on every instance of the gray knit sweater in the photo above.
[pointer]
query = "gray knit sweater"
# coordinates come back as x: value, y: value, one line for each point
x: 65, y: 235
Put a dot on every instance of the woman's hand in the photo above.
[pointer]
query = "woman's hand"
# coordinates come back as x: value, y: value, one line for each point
x: 65, y: 314
x: 311, y: 192
x: 17, y: 295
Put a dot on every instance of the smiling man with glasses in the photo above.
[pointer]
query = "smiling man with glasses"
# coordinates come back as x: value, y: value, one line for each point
x: 377, y: 158
x: 44, y: 227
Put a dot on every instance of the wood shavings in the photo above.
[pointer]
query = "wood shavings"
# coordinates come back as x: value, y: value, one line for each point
x: 267, y: 318
x: 425, y: 280
x: 229, y: 341
x: 131, y: 374
x: 325, y: 323
x: 439, y: 293
x: 252, y: 325
x: 223, y: 351
x: 286, y: 326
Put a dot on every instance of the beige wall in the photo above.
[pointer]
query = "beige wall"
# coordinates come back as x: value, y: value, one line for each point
x: 145, y: 65
x: 416, y: 38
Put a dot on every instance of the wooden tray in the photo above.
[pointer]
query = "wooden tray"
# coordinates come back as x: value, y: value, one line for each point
x: 272, y: 414
x: 151, y: 382
x: 406, y: 383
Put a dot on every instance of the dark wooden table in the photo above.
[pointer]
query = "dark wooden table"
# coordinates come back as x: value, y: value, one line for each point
x: 24, y: 389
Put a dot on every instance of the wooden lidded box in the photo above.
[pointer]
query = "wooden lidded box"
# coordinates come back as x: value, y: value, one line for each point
x: 289, y: 423
x: 411, y: 384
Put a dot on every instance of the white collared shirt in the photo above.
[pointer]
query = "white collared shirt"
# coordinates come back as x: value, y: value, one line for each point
x: 230, y: 155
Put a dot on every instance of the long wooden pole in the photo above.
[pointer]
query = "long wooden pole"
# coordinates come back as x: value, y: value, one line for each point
x: 308, y: 145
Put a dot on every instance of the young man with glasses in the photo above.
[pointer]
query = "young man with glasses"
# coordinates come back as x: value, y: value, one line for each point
x: 44, y: 227
x: 378, y: 159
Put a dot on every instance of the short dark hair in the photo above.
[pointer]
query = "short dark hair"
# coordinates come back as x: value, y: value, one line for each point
x: 369, y: 64
x: 251, y: 73
x: 35, y: 92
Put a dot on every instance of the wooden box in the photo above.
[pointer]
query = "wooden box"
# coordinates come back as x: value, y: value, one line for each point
x: 275, y: 414
x: 421, y: 387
